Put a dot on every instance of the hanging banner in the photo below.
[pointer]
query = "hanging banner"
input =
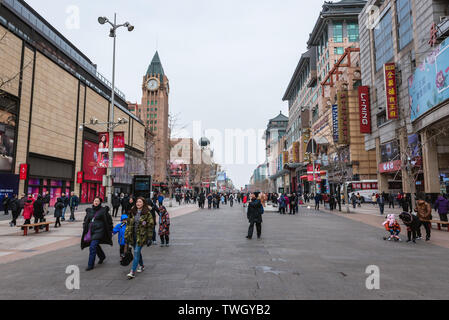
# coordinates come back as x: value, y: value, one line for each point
x: 365, y: 110
x: 23, y: 171
x: 119, y: 150
x: 343, y: 117
x: 305, y: 141
x: 79, y: 177
x: 335, y: 122
x: 391, y: 91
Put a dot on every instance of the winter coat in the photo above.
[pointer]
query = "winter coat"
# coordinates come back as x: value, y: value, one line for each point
x: 115, y: 202
x: 128, y: 206
x: 424, y: 210
x: 282, y: 202
x: 22, y: 203
x: 100, y: 222
x: 14, y: 205
x: 65, y: 201
x: 38, y: 207
x: 442, y: 205
x: 74, y: 201
x: 6, y: 202
x: 143, y: 232
x: 59, y: 205
x: 164, y: 223
x: 255, y: 211
x: 28, y: 210
x: 47, y: 199
x: 121, y: 229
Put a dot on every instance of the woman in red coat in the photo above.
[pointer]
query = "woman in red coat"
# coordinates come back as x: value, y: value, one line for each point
x: 28, y: 210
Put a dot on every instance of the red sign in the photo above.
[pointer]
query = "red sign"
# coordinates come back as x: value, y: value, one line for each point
x: 310, y: 169
x: 23, y: 171
x: 79, y: 177
x: 392, y: 166
x: 90, y: 163
x: 317, y: 177
x: 365, y: 111
x: 119, y: 150
x: 391, y: 91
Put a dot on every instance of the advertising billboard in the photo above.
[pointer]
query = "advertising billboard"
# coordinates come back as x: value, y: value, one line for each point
x: 429, y: 85
x: 119, y: 150
x: 9, y: 185
x: 364, y: 110
x: 92, y: 172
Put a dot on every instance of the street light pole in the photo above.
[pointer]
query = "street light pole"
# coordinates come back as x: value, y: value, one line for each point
x: 111, y: 120
x: 111, y: 124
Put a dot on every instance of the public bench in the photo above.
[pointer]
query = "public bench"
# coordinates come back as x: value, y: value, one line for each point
x: 36, y: 227
x: 440, y: 223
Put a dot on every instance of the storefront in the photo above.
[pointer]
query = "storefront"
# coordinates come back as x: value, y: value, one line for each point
x: 123, y: 177
x: 49, y: 174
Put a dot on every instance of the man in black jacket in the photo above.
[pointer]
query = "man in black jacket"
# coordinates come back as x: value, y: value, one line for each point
x: 255, y: 211
x: 6, y: 204
x: 14, y: 205
x: 65, y: 200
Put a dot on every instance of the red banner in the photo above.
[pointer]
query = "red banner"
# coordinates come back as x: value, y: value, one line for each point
x: 365, y: 110
x: 392, y: 166
x: 391, y: 91
x: 310, y: 168
x: 79, y: 177
x: 119, y: 150
x: 23, y: 171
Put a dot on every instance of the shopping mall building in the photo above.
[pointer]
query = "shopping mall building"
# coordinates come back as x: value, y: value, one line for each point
x: 405, y: 63
x: 49, y: 89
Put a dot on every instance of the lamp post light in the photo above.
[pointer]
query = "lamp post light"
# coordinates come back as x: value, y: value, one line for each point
x: 111, y: 125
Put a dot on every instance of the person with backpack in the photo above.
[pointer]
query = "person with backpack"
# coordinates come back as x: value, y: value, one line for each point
x: 254, y: 215
x: 97, y: 230
x: 28, y: 210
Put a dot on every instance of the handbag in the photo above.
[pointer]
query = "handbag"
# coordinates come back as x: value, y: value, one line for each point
x: 88, y: 235
x: 127, y: 257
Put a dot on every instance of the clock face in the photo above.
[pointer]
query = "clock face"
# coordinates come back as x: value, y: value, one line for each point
x: 153, y: 84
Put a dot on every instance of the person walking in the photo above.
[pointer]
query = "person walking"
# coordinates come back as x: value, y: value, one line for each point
x: 164, y: 227
x: 138, y: 233
x: 282, y: 204
x: 317, y: 202
x: 15, y: 210
x: 125, y: 202
x: 115, y: 205
x: 254, y: 215
x: 97, y: 230
x: 65, y: 201
x: 47, y: 199
x: 59, y: 207
x: 381, y: 203
x: 38, y: 209
x: 424, y: 211
x: 354, y: 200
x: 5, y: 204
x: 442, y: 207
x: 73, y: 204
x: 390, y: 201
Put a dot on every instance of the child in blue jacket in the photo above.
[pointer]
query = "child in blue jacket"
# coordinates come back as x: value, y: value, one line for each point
x: 120, y: 229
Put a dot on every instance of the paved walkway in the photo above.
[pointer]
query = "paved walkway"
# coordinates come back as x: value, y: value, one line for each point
x: 314, y: 255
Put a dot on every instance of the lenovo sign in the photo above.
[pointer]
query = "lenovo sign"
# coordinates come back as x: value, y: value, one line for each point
x: 365, y: 112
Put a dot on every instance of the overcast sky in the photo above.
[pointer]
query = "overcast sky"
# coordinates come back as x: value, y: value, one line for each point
x: 229, y: 62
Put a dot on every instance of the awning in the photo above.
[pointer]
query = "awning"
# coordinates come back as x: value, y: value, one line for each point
x: 293, y: 165
x: 280, y: 174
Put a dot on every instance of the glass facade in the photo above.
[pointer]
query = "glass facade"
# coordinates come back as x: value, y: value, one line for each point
x: 404, y: 11
x: 353, y: 32
x: 383, y: 40
x: 8, y: 123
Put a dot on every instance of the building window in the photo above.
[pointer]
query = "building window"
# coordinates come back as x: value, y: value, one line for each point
x: 383, y: 41
x: 155, y: 102
x: 338, y: 32
x: 405, y: 30
x: 151, y: 121
x: 152, y: 102
x: 381, y: 118
x: 353, y: 32
x: 339, y: 50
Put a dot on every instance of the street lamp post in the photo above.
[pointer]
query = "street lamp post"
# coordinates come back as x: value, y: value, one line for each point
x: 111, y: 124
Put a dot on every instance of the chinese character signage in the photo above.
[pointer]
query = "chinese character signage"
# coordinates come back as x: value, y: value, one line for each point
x: 391, y: 91
x: 296, y: 152
x: 343, y: 117
x: 365, y: 111
x: 305, y: 141
x: 119, y: 150
x: 429, y: 85
x: 392, y: 166
x: 335, y: 122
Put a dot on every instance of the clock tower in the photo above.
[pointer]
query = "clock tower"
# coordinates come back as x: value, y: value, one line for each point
x: 154, y: 113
